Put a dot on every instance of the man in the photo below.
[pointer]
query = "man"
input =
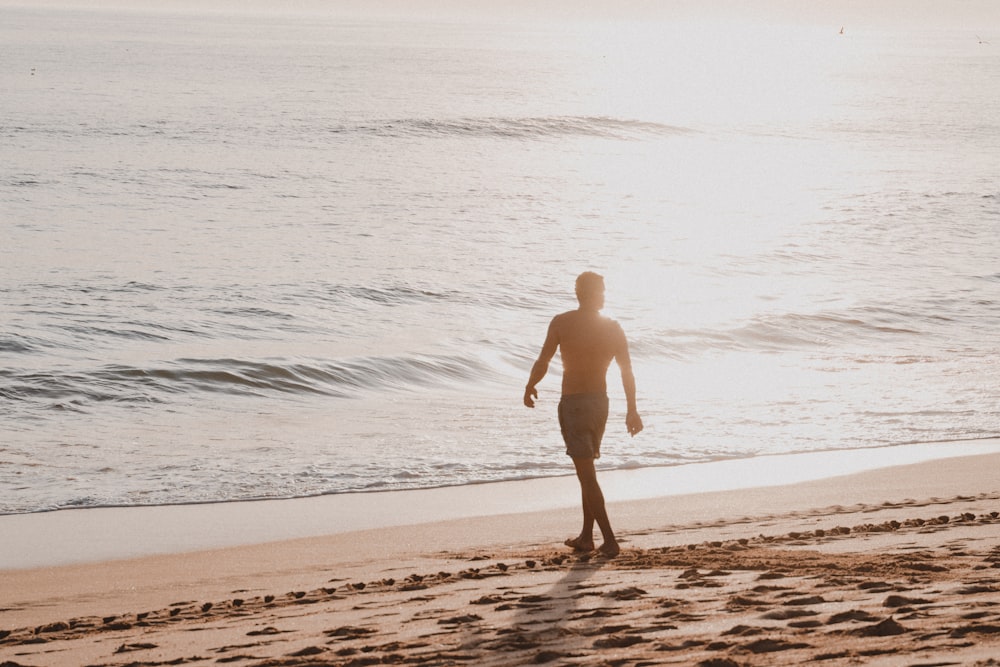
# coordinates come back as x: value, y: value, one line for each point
x: 587, y: 342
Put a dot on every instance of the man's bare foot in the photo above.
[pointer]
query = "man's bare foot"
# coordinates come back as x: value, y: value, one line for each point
x: 609, y: 549
x: 579, y: 544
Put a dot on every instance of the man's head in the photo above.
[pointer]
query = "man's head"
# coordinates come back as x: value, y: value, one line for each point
x: 590, y: 290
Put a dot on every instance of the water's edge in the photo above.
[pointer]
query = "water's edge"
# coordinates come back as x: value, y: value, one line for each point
x: 89, y: 535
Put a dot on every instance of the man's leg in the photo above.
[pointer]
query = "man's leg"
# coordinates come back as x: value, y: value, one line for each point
x: 585, y: 541
x: 593, y: 505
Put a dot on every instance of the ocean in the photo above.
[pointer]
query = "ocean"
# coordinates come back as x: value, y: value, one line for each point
x: 251, y: 256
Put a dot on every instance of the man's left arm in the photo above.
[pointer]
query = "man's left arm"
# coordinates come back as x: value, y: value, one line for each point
x: 633, y: 422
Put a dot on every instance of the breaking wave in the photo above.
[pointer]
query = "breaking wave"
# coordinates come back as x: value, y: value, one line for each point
x: 240, y: 377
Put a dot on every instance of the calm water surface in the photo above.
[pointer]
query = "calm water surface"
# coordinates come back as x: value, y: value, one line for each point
x: 249, y: 257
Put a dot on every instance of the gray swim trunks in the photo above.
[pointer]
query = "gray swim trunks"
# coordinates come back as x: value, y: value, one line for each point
x: 582, y: 418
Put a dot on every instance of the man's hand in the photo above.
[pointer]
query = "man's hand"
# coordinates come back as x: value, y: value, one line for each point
x: 530, y: 394
x: 633, y: 422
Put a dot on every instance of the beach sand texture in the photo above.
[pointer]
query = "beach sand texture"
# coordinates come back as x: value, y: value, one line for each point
x: 777, y: 576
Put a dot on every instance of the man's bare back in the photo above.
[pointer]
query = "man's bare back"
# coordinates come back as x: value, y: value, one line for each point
x: 588, y: 342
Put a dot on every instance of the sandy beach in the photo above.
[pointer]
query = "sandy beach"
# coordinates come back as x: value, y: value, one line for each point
x: 890, y: 566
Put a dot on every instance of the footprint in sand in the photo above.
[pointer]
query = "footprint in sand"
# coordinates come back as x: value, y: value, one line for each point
x: 902, y: 601
x: 852, y: 615
x: 140, y: 646
x: 787, y: 614
x: 886, y: 628
x: 619, y: 641
x: 772, y: 646
x: 985, y: 629
x: 626, y: 594
x: 460, y: 620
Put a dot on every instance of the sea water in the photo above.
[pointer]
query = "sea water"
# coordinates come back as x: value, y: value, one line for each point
x: 266, y: 257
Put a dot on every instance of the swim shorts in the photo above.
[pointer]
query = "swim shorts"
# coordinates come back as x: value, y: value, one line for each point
x: 582, y: 418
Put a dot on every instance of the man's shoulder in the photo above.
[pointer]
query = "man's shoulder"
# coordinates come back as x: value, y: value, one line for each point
x: 575, y: 318
x: 563, y: 317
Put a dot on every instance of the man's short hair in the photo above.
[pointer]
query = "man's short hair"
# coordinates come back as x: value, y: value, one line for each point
x: 588, y: 283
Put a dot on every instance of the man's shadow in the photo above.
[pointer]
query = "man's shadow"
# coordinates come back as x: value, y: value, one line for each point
x: 541, y: 622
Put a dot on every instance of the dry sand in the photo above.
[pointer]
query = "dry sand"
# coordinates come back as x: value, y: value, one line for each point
x: 896, y: 566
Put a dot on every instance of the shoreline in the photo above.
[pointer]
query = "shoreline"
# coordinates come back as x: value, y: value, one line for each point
x: 895, y: 561
x: 92, y: 535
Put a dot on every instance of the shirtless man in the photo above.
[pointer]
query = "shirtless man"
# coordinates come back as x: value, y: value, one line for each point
x: 587, y: 342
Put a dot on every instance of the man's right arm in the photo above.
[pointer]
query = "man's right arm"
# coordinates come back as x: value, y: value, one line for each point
x: 541, y: 366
